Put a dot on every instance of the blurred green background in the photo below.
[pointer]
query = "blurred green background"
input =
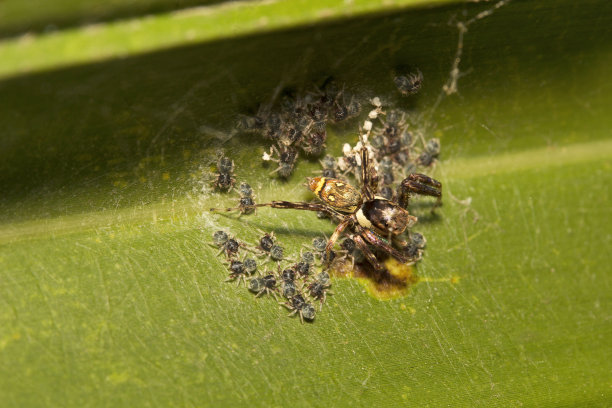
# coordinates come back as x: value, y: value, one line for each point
x: 19, y: 17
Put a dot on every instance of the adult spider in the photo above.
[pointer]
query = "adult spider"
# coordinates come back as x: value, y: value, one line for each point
x: 374, y: 220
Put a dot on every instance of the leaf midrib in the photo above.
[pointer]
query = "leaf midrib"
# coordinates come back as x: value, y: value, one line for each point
x: 452, y: 169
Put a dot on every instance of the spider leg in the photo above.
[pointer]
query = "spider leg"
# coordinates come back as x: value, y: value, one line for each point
x: 245, y: 210
x: 374, y: 239
x: 366, y: 180
x: 274, y: 171
x: 323, y: 300
x: 418, y: 184
x: 229, y: 209
x: 367, y: 253
x: 284, y: 205
x: 271, y: 292
x: 422, y: 178
x: 298, y: 206
x: 293, y: 205
x: 332, y: 240
x: 400, y: 242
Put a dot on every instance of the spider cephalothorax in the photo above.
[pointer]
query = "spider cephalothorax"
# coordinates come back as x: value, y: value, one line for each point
x: 373, y: 220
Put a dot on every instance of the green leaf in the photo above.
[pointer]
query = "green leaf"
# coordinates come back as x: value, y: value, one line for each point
x: 111, y: 294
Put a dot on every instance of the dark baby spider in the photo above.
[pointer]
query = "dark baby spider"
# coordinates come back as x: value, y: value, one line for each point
x: 288, y: 287
x: 286, y: 162
x: 240, y: 269
x: 224, y: 181
x: 266, y: 242
x: 297, y: 304
x: 264, y: 285
x: 245, y: 203
x: 226, y: 244
x: 372, y: 219
x: 318, y: 289
x: 267, y: 246
x: 409, y: 84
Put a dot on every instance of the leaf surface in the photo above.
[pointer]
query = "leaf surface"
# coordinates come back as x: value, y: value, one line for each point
x: 111, y: 294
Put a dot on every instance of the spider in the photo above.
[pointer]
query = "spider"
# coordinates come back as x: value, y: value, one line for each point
x: 409, y: 84
x: 288, y: 287
x: 286, y: 162
x: 304, y: 266
x: 297, y: 304
x: 314, y: 142
x: 226, y: 244
x: 263, y: 285
x: 245, y: 204
x: 319, y: 245
x: 349, y: 251
x: 267, y: 245
x: 430, y: 153
x: 238, y: 272
x: 329, y: 166
x: 224, y: 181
x: 373, y: 220
x: 319, y: 288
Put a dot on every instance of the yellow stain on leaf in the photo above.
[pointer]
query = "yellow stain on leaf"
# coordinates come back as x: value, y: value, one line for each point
x: 392, y: 283
x: 5, y: 341
x: 118, y: 378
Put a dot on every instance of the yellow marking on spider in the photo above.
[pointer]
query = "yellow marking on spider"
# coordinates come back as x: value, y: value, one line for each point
x: 320, y: 185
x: 331, y: 198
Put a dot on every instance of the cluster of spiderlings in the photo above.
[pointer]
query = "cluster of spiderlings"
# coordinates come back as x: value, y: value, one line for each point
x: 348, y: 251
x: 292, y: 282
x: 297, y: 123
x: 396, y: 148
x: 295, y: 283
x: 238, y: 270
x: 300, y: 287
x: 399, y: 149
x: 224, y: 179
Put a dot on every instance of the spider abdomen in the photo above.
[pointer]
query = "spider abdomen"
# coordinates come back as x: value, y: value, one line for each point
x: 384, y: 216
x: 337, y: 194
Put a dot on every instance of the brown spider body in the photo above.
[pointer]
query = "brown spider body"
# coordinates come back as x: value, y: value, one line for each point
x: 385, y: 216
x: 338, y: 194
x: 373, y: 220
